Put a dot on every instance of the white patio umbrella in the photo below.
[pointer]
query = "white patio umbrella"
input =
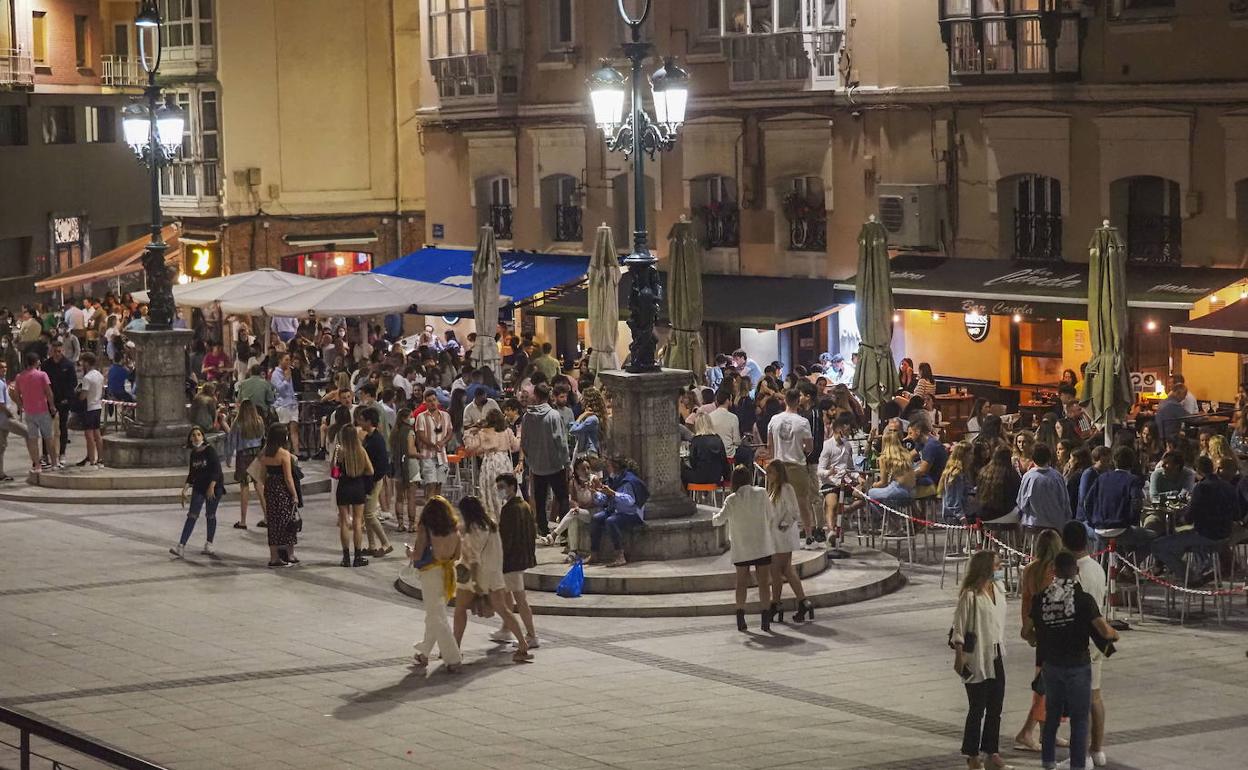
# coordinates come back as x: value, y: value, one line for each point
x: 367, y: 294
x: 236, y: 292
x: 487, y: 276
x: 604, y: 301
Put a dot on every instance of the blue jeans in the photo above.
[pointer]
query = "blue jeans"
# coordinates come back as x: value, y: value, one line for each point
x: 1067, y: 690
x: 1169, y: 550
x: 209, y: 504
x: 616, y: 524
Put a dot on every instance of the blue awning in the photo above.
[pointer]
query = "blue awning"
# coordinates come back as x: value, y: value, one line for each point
x: 525, y: 275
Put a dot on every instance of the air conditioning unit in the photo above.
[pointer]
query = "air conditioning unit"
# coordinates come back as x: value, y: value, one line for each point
x: 913, y: 214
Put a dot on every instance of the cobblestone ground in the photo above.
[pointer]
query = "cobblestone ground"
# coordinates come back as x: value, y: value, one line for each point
x: 224, y: 663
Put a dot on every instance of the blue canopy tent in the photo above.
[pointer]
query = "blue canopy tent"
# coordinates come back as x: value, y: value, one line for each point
x: 525, y: 275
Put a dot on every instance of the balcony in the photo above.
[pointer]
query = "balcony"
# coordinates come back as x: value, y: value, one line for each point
x: 721, y: 223
x: 794, y: 60
x: 1037, y: 235
x: 17, y: 69
x: 568, y: 224
x: 1155, y: 239
x: 122, y: 72
x: 189, y: 188
x: 500, y: 221
x: 476, y: 76
x: 1017, y: 46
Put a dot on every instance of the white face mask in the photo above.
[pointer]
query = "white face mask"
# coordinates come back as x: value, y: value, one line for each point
x: 197, y: 442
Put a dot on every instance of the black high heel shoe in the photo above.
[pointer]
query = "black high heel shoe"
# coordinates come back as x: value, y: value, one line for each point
x: 805, y: 610
x: 765, y: 623
x: 741, y: 626
x: 777, y: 611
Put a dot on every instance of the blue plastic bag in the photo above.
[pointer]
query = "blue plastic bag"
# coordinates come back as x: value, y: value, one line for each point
x: 573, y: 582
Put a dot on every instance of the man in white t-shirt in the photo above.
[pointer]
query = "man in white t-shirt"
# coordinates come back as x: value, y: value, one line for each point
x: 1092, y: 581
x: 789, y: 440
x: 92, y: 387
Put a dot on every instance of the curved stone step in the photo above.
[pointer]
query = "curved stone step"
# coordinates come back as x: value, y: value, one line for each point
x: 113, y: 478
x: 83, y: 487
x: 714, y: 573
x: 867, y: 574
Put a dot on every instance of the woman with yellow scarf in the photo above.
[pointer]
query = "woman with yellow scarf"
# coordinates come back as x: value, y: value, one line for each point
x: 433, y: 553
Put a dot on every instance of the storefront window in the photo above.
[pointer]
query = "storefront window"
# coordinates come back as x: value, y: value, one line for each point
x: 328, y: 264
x: 1036, y: 353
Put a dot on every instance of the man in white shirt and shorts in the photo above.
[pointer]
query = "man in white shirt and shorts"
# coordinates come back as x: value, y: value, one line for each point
x: 789, y: 439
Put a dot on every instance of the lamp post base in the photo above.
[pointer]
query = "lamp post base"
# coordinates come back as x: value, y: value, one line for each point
x: 156, y: 438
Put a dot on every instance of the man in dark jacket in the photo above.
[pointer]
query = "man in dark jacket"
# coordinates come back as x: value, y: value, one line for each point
x: 1114, y: 502
x: 518, y: 531
x: 544, y: 444
x: 1212, y: 510
x: 368, y: 418
x: 64, y: 376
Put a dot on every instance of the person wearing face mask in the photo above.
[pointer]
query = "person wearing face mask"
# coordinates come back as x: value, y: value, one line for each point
x: 978, y: 641
x: 70, y: 343
x: 206, y: 484
x: 518, y: 529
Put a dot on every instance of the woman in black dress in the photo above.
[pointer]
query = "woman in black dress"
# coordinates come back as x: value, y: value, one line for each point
x: 280, y: 495
x: 355, y: 480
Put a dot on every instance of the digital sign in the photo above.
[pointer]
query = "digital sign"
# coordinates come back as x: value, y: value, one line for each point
x: 203, y: 260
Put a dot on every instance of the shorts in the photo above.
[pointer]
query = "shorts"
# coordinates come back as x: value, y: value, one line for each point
x: 799, y: 477
x: 287, y: 414
x: 1097, y: 665
x: 91, y: 419
x: 433, y: 471
x: 762, y: 561
x: 513, y: 581
x: 39, y: 425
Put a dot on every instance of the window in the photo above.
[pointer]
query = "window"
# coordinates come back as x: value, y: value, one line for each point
x: 457, y: 27
x: 81, y: 54
x: 209, y: 140
x: 708, y: 19
x: 100, y: 125
x: 12, y: 125
x: 1149, y: 205
x: 564, y: 216
x: 187, y: 23
x: 1036, y: 352
x: 39, y: 37
x: 559, y: 35
x: 496, y: 209
x: 1037, y: 220
x: 714, y: 204
x: 195, y: 172
x: 806, y: 213
x: 996, y: 38
x: 58, y: 125
x: 1142, y: 9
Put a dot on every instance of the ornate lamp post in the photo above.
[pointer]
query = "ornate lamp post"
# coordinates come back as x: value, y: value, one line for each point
x: 634, y: 134
x: 154, y: 131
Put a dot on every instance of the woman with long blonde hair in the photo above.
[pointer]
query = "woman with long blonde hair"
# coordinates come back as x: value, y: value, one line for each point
x: 956, y: 482
x: 248, y: 430
x: 1219, y: 449
x: 978, y: 641
x: 433, y: 553
x: 1036, y: 577
x: 1024, y: 442
x: 786, y: 539
x: 355, y: 478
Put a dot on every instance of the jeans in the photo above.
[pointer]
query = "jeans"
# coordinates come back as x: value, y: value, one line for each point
x: 551, y: 482
x: 200, y: 501
x: 62, y: 416
x: 1170, y: 549
x: 982, y: 732
x: 616, y: 524
x: 1067, y: 690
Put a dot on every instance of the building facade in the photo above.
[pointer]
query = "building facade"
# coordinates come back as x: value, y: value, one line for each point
x: 975, y: 129
x: 70, y: 188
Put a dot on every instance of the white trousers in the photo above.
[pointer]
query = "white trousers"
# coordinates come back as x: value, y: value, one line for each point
x: 437, y: 629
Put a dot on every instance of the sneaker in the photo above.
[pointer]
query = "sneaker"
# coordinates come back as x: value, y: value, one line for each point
x: 5, y: 478
x: 533, y: 642
x: 1065, y: 765
x: 80, y: 463
x: 60, y: 466
x: 208, y: 550
x: 501, y: 636
x: 176, y: 551
x: 1098, y: 759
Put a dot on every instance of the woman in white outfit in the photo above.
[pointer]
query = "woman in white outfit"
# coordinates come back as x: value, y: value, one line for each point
x: 481, y: 560
x: 433, y: 553
x: 494, y: 444
x: 751, y: 519
x: 978, y: 641
x: 581, y: 496
x: 787, y: 539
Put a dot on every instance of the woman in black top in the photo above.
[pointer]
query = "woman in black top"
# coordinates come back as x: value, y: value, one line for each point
x: 708, y: 460
x: 206, y: 484
x: 997, y: 486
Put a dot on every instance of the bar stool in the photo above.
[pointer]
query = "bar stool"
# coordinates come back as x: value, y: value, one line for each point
x: 957, y: 549
x: 906, y: 533
x: 1210, y: 552
x: 454, y: 477
x: 929, y: 505
x: 705, y: 494
x: 1109, y: 560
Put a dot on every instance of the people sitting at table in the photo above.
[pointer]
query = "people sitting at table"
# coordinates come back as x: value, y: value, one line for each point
x: 1170, y: 478
x: 982, y: 408
x: 996, y: 488
x: 896, y: 481
x: 707, y: 462
x: 1043, y: 501
x: 929, y: 453
x: 1211, y: 512
x: 1218, y: 449
x: 1114, y: 503
x: 1102, y: 461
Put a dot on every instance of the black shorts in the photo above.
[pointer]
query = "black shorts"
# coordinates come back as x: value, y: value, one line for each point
x: 763, y: 561
x: 91, y: 419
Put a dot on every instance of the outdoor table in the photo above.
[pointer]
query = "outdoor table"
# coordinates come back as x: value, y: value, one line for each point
x: 1195, y: 422
x: 955, y: 406
x: 1034, y: 410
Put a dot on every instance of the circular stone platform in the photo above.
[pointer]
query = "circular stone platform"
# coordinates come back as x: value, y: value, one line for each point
x: 130, y: 486
x: 691, y: 587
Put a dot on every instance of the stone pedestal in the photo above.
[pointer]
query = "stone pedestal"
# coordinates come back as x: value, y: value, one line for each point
x: 645, y: 427
x: 157, y: 437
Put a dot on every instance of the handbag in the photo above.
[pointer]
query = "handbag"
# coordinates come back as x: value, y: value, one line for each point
x: 335, y: 471
x: 426, y: 556
x: 969, y: 637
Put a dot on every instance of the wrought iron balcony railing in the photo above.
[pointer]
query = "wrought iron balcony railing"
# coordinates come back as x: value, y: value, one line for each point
x: 1037, y: 235
x: 568, y: 223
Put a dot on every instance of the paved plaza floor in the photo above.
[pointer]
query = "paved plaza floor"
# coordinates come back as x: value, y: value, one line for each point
x: 208, y: 664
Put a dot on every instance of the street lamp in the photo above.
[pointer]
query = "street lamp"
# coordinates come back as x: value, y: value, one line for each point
x: 154, y: 131
x: 634, y: 134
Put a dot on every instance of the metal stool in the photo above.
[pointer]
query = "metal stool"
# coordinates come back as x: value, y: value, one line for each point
x: 958, y: 548
x: 1211, y: 552
x: 906, y: 534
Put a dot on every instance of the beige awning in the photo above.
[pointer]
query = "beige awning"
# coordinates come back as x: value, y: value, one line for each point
x: 122, y: 260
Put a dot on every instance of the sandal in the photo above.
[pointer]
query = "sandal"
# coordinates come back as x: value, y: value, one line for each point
x: 239, y: 525
x: 521, y: 656
x: 420, y: 661
x: 379, y: 552
x: 401, y: 527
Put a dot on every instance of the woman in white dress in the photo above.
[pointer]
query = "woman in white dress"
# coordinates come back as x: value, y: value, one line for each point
x: 787, y: 540
x: 494, y: 444
x: 480, y: 571
x: 751, y: 519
